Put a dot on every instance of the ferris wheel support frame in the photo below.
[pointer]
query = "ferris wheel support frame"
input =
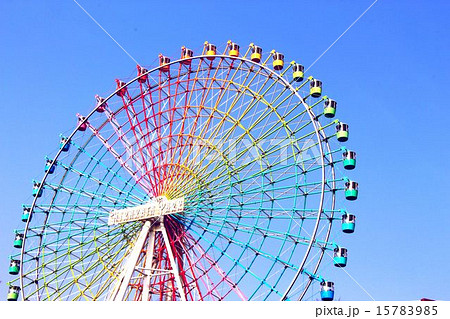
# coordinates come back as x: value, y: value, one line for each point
x: 148, y: 264
x: 119, y: 291
x: 149, y: 230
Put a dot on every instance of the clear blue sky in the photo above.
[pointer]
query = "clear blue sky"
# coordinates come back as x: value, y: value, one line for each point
x: 390, y: 74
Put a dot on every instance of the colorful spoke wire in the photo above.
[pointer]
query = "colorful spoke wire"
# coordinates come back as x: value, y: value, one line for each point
x: 249, y: 150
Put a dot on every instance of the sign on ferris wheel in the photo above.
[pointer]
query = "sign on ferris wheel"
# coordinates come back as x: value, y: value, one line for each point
x: 159, y: 206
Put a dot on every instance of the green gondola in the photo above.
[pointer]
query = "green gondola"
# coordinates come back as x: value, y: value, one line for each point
x: 349, y: 159
x: 330, y: 108
x: 18, y: 240
x: 342, y: 132
x: 315, y: 88
x: 14, y: 267
x: 13, y: 293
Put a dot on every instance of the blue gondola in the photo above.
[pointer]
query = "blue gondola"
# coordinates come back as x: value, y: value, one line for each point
x: 351, y: 190
x: 340, y: 257
x: 50, y: 166
x: 327, y: 290
x: 36, y: 191
x: 65, y: 146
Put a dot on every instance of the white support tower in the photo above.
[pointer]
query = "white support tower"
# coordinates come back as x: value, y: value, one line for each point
x: 147, y: 235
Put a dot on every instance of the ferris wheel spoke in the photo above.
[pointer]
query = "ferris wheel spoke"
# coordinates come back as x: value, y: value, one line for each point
x: 236, y: 121
x: 132, y: 116
x: 193, y: 267
x: 225, y: 85
x: 87, y: 194
x: 282, y: 191
x: 276, y: 148
x: 234, y: 262
x: 99, y: 182
x: 214, y: 107
x: 171, y: 148
x: 239, y: 258
x: 146, y: 185
x: 66, y: 265
x: 204, y: 92
x: 138, y: 136
x: 115, y: 256
x: 180, y: 137
x: 202, y: 89
x: 54, y: 257
x: 220, y: 91
x: 265, y: 232
x: 121, y: 135
x: 101, y: 161
x: 163, y: 104
x: 239, y: 227
x: 202, y: 256
x: 247, y: 213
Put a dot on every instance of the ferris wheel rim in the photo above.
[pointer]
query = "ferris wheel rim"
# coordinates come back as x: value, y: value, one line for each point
x: 279, y: 78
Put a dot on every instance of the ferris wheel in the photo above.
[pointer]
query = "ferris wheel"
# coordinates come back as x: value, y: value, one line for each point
x: 212, y: 177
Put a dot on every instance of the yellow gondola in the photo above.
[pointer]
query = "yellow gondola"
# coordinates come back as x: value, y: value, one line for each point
x: 315, y: 88
x: 256, y: 54
x: 234, y: 49
x: 210, y: 51
x: 298, y: 72
x: 278, y: 61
